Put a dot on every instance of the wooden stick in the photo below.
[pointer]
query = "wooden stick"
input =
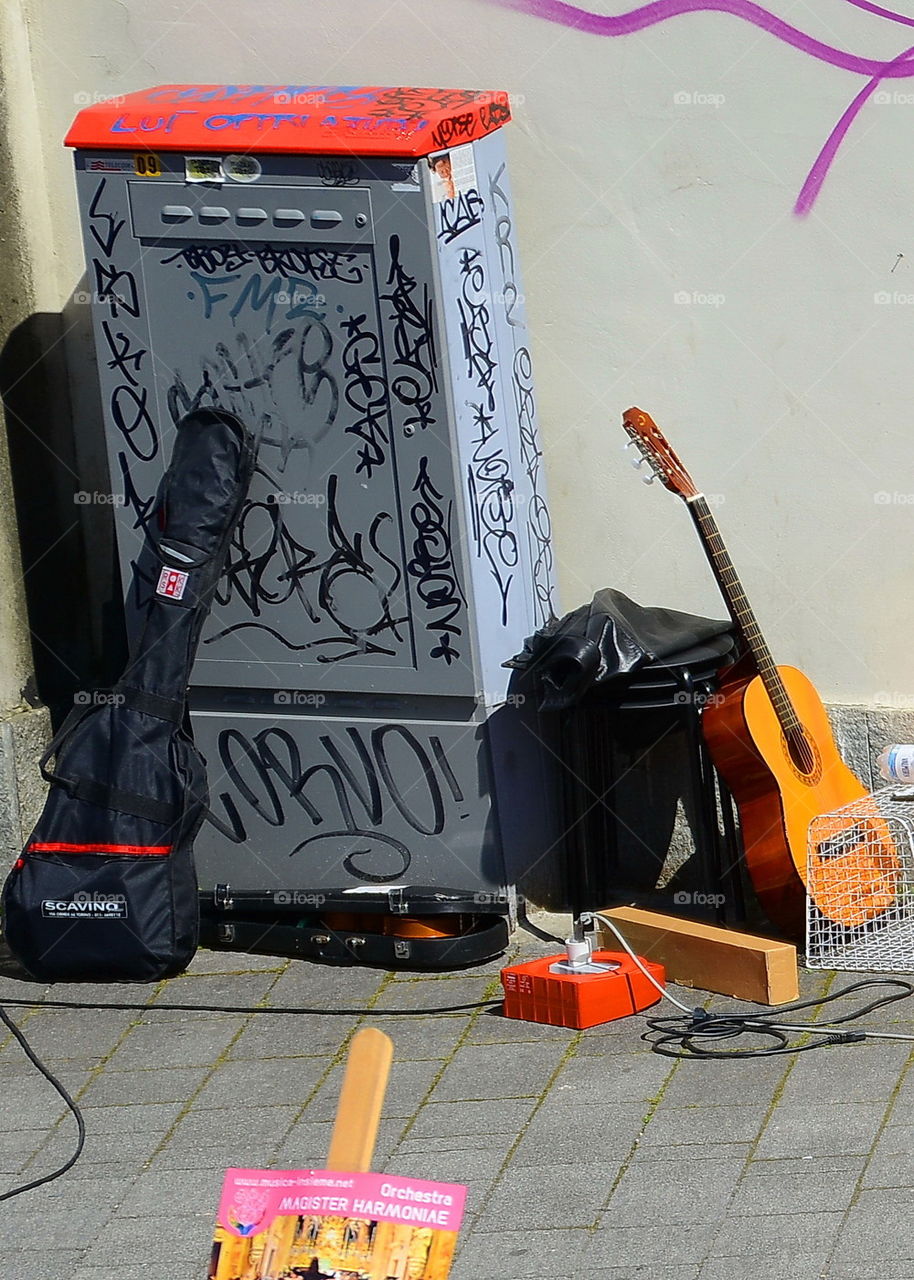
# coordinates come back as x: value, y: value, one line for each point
x: 358, y: 1111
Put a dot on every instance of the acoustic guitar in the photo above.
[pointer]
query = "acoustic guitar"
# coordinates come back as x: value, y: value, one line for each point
x: 770, y: 739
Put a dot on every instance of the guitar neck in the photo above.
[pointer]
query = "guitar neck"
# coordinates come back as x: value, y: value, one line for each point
x: 741, y: 612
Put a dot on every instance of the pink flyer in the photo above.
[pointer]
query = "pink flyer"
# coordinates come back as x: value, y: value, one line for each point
x: 276, y: 1224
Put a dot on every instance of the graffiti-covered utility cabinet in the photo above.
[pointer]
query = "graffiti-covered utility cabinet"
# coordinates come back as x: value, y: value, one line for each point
x: 337, y: 266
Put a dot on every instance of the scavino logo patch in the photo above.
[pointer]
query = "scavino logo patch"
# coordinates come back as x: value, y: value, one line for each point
x: 114, y: 908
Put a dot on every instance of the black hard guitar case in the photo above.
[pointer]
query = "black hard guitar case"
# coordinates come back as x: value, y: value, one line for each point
x: 105, y: 889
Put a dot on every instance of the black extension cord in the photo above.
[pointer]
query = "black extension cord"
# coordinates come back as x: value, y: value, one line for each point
x: 283, y: 1010
x: 685, y: 1031
x: 52, y: 1079
x: 680, y: 1035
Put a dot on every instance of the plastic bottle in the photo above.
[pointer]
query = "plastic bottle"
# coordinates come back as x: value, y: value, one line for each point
x: 896, y: 764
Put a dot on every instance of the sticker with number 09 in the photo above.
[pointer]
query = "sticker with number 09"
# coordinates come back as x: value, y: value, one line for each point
x: 146, y: 165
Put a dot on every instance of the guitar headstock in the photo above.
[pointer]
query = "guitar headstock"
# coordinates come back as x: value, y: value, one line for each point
x: 653, y: 446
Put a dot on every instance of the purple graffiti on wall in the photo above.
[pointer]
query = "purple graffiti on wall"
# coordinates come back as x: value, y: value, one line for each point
x: 649, y: 15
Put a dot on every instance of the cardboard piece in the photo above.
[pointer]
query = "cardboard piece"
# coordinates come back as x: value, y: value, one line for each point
x: 725, y: 961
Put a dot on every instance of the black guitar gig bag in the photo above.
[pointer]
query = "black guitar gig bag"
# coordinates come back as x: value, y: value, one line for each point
x: 105, y: 889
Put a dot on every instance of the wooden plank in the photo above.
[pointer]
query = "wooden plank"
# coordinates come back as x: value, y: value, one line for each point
x: 358, y: 1111
x: 705, y: 956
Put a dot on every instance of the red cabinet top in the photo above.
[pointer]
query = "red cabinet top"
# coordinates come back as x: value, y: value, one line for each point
x: 259, y: 118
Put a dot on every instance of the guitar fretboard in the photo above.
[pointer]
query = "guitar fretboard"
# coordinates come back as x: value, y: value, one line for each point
x: 741, y: 612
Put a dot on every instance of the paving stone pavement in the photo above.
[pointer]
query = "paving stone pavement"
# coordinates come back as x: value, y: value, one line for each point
x: 585, y: 1154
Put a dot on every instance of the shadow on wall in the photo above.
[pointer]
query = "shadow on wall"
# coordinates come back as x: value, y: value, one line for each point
x: 633, y: 829
x: 612, y: 813
x: 65, y: 525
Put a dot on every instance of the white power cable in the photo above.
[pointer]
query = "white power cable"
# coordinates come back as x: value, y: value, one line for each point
x: 595, y: 915
x: 775, y: 1026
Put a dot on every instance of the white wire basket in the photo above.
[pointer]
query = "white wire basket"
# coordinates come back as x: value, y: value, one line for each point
x: 860, y: 885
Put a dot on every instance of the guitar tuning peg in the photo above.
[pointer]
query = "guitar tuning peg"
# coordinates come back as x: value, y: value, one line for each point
x: 648, y: 479
x: 636, y: 462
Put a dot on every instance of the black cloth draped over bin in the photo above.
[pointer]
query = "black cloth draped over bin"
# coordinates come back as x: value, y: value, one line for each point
x: 611, y: 639
x: 624, y: 686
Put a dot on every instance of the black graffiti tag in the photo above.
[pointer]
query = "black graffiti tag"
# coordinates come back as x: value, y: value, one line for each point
x: 104, y: 227
x: 494, y: 114
x: 432, y: 564
x: 459, y: 215
x: 416, y: 103
x: 539, y: 528
x: 491, y: 491
x: 347, y: 793
x: 455, y: 129
x: 413, y: 340
x: 116, y: 288
x: 335, y: 172
x: 475, y: 324
x: 252, y: 379
x: 352, y: 591
x: 366, y: 392
x: 271, y: 259
x: 503, y: 230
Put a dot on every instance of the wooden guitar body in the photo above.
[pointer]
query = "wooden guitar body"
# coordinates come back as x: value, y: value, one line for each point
x: 777, y: 801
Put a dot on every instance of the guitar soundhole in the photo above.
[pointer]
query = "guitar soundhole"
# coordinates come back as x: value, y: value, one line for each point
x: 803, y: 756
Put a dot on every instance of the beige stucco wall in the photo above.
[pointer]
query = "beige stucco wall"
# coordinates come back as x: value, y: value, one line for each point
x: 648, y: 169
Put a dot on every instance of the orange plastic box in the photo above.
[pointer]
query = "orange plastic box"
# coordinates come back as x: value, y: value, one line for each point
x: 534, y: 994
